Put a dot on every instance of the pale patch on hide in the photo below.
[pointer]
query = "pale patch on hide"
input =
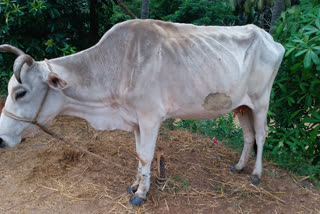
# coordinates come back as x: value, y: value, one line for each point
x: 217, y: 101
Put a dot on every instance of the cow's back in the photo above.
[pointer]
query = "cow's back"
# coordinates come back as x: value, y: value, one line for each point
x: 180, y: 65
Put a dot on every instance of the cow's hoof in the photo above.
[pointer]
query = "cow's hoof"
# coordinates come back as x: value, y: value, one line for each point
x: 130, y: 190
x: 235, y: 170
x: 255, y: 179
x: 136, y: 201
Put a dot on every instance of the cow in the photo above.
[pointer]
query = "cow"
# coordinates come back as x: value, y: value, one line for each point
x: 1, y: 106
x: 142, y: 72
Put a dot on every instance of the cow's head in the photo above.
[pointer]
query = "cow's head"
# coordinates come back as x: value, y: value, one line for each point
x: 26, y: 91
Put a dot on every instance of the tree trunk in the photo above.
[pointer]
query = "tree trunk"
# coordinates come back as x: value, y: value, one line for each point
x: 94, y: 23
x: 145, y: 9
x: 119, y: 2
x: 277, y: 8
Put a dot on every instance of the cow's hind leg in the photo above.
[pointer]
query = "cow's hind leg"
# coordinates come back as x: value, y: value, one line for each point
x: 133, y: 188
x: 260, y: 128
x: 244, y: 115
x: 145, y: 149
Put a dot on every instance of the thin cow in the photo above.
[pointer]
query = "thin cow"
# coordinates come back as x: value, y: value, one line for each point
x: 142, y: 72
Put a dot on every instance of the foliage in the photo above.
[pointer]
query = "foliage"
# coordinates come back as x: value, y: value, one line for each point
x: 44, y: 29
x: 223, y: 128
x: 258, y: 12
x: 180, y: 182
x: 253, y: 11
x: 294, y: 114
x: 119, y: 15
x: 203, y: 12
x: 199, y: 12
x: 163, y: 8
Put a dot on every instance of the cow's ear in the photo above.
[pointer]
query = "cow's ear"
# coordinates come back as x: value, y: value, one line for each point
x: 56, y: 82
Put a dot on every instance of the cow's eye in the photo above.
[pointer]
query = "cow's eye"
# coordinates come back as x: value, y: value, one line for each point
x: 20, y: 94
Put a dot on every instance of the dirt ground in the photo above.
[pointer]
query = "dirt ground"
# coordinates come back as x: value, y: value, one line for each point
x: 44, y: 176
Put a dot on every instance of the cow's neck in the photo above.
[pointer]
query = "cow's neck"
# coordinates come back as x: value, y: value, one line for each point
x: 94, y: 89
x: 88, y: 75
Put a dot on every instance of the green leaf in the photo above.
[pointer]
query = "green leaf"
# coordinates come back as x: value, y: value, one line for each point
x: 283, y: 15
x: 301, y: 98
x: 314, y: 133
x: 316, y: 115
x: 291, y: 100
x: 279, y: 28
x: 311, y: 31
x: 302, y: 86
x: 308, y: 101
x: 310, y: 28
x: 283, y: 88
x: 315, y: 58
x: 295, y: 113
x: 300, y: 52
x: 296, y: 67
x: 289, y: 51
x: 298, y: 41
x: 317, y: 22
x: 307, y: 60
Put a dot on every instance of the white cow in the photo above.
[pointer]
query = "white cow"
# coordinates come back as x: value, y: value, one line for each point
x: 142, y: 72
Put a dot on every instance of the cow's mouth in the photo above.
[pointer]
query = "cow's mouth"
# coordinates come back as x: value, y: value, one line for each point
x: 9, y: 142
x: 2, y: 144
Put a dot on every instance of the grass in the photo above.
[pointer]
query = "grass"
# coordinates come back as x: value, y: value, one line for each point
x: 223, y: 129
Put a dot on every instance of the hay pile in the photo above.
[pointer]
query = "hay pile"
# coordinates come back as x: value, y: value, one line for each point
x: 45, y: 176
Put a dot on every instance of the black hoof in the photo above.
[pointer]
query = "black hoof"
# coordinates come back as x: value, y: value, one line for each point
x: 255, y: 179
x: 235, y: 170
x: 136, y: 201
x: 131, y: 191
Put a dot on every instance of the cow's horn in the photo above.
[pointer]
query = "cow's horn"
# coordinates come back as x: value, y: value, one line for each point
x: 19, y: 63
x: 22, y: 58
x: 11, y: 49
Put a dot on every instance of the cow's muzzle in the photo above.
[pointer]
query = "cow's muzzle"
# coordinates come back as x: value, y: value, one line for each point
x: 2, y: 144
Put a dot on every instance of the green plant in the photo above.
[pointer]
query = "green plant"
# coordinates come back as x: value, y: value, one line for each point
x: 47, y: 29
x: 294, y: 114
x: 253, y: 11
x: 163, y: 8
x: 223, y: 128
x: 181, y: 182
x: 203, y: 12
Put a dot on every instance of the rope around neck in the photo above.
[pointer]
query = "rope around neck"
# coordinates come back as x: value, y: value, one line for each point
x: 55, y: 135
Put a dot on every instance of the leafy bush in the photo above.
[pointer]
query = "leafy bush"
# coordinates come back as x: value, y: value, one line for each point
x: 199, y: 12
x: 163, y: 8
x: 294, y: 115
x: 203, y: 12
x: 256, y: 12
x: 223, y: 128
x: 45, y: 29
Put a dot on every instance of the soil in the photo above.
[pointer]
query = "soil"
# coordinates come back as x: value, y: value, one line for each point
x: 42, y: 175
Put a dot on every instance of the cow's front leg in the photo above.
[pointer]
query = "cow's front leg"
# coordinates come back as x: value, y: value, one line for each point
x: 145, y: 150
x: 133, y: 188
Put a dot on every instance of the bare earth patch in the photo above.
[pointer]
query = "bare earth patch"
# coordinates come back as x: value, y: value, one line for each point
x: 44, y: 176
